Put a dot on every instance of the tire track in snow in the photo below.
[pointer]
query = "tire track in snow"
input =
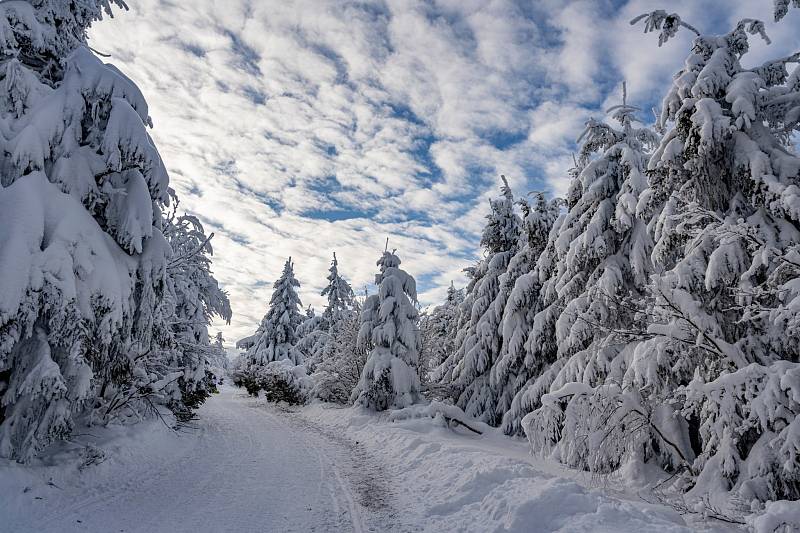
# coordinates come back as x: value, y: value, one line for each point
x: 327, y: 453
x: 356, y: 521
x: 363, y: 481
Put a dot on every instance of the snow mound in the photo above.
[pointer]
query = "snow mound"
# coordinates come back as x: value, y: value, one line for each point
x: 777, y: 516
x: 472, y: 490
x: 529, y: 502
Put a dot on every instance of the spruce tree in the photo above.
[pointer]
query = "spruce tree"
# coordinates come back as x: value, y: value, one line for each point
x: 479, y: 345
x: 723, y: 297
x: 339, y: 294
x: 192, y: 299
x: 339, y: 369
x: 522, y: 284
x: 603, y: 248
x: 438, y: 331
x: 601, y: 258
x: 316, y: 334
x: 83, y: 258
x: 218, y: 356
x: 689, y: 366
x: 277, y: 334
x: 443, y: 374
x: 389, y: 329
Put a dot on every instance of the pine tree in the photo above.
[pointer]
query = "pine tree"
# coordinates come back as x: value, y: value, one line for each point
x: 192, y: 299
x: 340, y: 296
x: 317, y: 333
x: 312, y: 340
x: 82, y: 255
x: 218, y: 357
x: 601, y: 260
x: 782, y: 8
x: 603, y: 247
x: 277, y: 333
x: 522, y: 284
x: 722, y: 302
x: 480, y: 346
x: 443, y: 374
x: 696, y: 375
x: 438, y: 331
x: 338, y: 372
x: 389, y: 328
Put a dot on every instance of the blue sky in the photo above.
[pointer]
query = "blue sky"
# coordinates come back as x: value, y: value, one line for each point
x: 306, y: 127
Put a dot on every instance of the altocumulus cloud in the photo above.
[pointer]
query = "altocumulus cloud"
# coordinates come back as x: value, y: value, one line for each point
x: 303, y: 127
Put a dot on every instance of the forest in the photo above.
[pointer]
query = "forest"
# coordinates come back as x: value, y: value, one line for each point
x: 649, y: 320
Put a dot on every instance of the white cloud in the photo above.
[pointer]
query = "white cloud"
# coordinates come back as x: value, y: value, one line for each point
x: 298, y: 128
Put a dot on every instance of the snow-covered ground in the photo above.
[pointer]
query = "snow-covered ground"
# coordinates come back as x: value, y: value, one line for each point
x: 446, y: 480
x: 254, y: 466
x: 246, y: 467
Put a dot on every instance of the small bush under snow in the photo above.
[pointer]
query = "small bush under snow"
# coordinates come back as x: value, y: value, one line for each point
x: 281, y: 381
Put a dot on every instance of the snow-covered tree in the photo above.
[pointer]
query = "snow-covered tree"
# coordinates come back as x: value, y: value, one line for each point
x: 83, y: 258
x: 539, y: 349
x: 316, y: 334
x: 219, y: 341
x: 277, y: 333
x: 192, y: 299
x: 526, y: 272
x: 782, y: 8
x: 700, y: 377
x: 218, y: 357
x: 312, y: 342
x: 247, y: 342
x: 601, y: 261
x: 443, y: 374
x: 238, y: 370
x: 438, y: 330
x: 479, y: 346
x: 723, y: 298
x: 340, y: 296
x: 339, y: 369
x: 389, y: 329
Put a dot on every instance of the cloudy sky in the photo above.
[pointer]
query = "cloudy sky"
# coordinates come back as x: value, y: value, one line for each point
x: 299, y: 128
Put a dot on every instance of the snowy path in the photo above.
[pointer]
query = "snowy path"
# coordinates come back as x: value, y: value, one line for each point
x: 250, y: 468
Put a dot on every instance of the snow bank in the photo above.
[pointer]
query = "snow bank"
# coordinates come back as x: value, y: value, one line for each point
x: 781, y: 516
x: 465, y: 482
x: 82, y: 471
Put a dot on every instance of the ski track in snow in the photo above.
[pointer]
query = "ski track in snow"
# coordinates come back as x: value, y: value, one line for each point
x: 251, y: 467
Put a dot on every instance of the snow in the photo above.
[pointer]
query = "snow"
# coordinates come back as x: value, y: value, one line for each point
x: 46, y: 228
x: 453, y: 480
x: 778, y: 516
x: 247, y: 465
